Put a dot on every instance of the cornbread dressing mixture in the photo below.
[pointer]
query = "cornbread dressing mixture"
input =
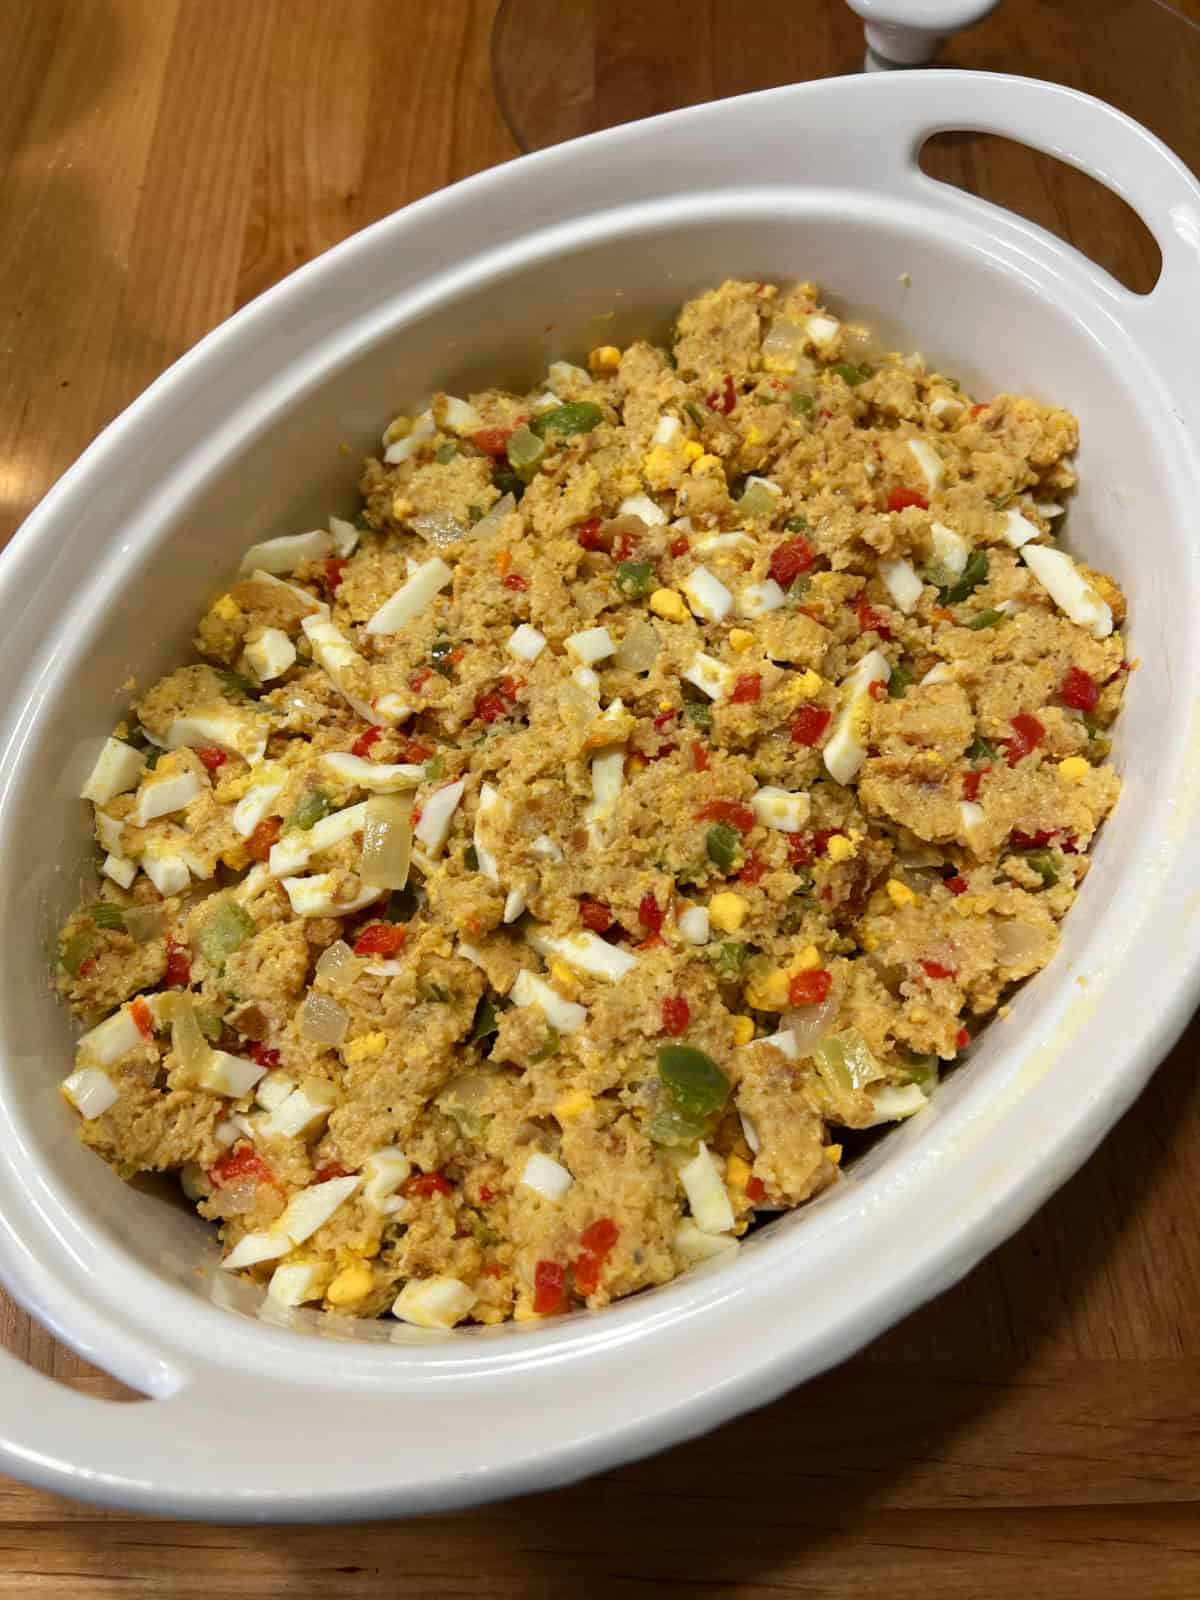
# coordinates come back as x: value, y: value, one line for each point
x: 669, y: 768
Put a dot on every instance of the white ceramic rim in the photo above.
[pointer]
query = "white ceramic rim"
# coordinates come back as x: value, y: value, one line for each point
x: 617, y: 1389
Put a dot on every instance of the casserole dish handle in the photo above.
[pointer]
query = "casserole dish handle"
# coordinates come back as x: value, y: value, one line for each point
x: 1109, y: 146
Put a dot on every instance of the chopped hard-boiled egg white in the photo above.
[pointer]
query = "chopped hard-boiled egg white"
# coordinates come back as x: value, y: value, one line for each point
x: 641, y: 505
x: 344, y: 535
x: 243, y: 734
x: 946, y: 408
x: 401, y: 449
x: 489, y: 800
x: 756, y: 599
x: 455, y: 415
x: 586, y: 952
x: 258, y: 801
x: 294, y: 1282
x: 781, y: 809
x: 753, y: 482
x: 109, y: 831
x: 526, y: 643
x: 694, y: 1245
x: 229, y: 1075
x: 608, y: 777
x: 437, y: 1302
x: 166, y: 868
x: 437, y: 813
x: 514, y: 904
x: 894, y: 1104
x: 310, y: 604
x: 90, y: 1091
x: 970, y: 816
x: 940, y: 673
x: 331, y: 650
x: 784, y: 1040
x: 120, y: 869
x: 667, y: 428
x: 950, y: 549
x: 846, y: 749
x: 693, y: 924
x: 589, y: 645
x: 707, y: 595
x: 299, y: 845
x: 381, y: 777
x: 411, y: 598
x: 1069, y: 589
x: 117, y: 770
x: 721, y: 541
x: 933, y: 468
x: 564, y: 1016
x: 271, y: 654
x: 315, y: 896
x: 273, y: 1090
x: 547, y: 1176
x: 902, y: 583
x: 286, y: 554
x: 1018, y: 530
x: 383, y: 1173
x: 300, y: 1111
x: 544, y: 848
x: 822, y: 330
x: 710, y: 676
x: 307, y: 1211
x: 159, y: 795
x: 706, y: 1193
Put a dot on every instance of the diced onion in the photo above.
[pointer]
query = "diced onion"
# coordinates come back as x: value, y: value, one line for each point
x: 387, y: 841
x: 1016, y: 942
x: 639, y: 648
x: 486, y: 526
x: 339, y: 965
x: 437, y: 528
x: 191, y: 1048
x: 810, y: 1024
x: 323, y: 1020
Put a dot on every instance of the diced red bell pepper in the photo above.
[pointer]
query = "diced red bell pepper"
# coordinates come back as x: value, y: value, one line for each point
x: 381, y: 939
x: 179, y: 965
x: 935, y: 969
x: 790, y: 560
x: 1079, y: 690
x: 332, y: 572
x: 971, y: 782
x: 597, y: 1241
x: 805, y: 848
x: 680, y: 546
x: 243, y: 1162
x: 362, y: 745
x: 492, y: 441
x: 485, y: 1195
x: 490, y: 708
x: 600, y: 1235
x: 549, y: 1288
x: 753, y: 871
x: 877, y: 689
x: 258, y: 845
x: 957, y: 884
x: 962, y: 1039
x: 809, y: 724
x: 591, y: 538
x: 626, y: 544
x: 756, y: 1189
x: 810, y: 988
x: 142, y: 1016
x: 746, y: 689
x: 724, y: 399
x: 212, y: 756
x: 1027, y: 734
x: 514, y: 580
x: 263, y: 1055
x: 594, y: 914
x: 870, y: 619
x: 1019, y: 840
x: 330, y: 1169
x: 732, y: 812
x: 699, y: 757
x: 416, y: 752
x: 900, y: 498
x: 676, y: 1014
x: 423, y: 1184
x: 650, y: 914
x: 418, y: 679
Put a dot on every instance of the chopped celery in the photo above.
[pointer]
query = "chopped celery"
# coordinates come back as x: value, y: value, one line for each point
x: 698, y: 712
x: 758, y: 502
x: 234, y: 686
x: 695, y: 1083
x: 1042, y: 863
x: 845, y: 1062
x: 547, y: 1048
x: 921, y: 1070
x: 973, y: 574
x: 227, y: 928
x: 576, y: 416
x: 471, y: 858
x: 309, y: 810
x: 525, y: 452
x: 486, y: 1021
x: 902, y: 676
x: 106, y: 915
x: 851, y: 374
x: 482, y: 1230
x: 435, y: 768
x: 984, y: 619
x: 634, y: 579
x: 445, y: 453
x: 802, y: 404
x: 509, y: 483
x: 728, y: 959
x: 723, y: 844
x: 75, y: 951
x: 695, y: 413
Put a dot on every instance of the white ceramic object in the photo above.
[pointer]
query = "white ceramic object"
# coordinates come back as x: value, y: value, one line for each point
x: 239, y: 441
x: 909, y: 33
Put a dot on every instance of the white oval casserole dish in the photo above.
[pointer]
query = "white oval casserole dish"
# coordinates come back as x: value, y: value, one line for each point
x: 240, y: 441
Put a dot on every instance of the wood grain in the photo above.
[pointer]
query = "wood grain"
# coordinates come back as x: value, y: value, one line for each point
x: 1035, y: 1431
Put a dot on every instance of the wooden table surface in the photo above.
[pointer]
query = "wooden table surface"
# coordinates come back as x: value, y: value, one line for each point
x: 1035, y: 1431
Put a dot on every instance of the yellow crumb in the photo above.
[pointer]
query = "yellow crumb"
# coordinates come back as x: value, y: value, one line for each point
x: 840, y: 848
x: 737, y: 1172
x: 565, y: 980
x: 808, y: 960
x: 706, y: 463
x: 1074, y: 769
x: 770, y: 992
x: 365, y: 1048
x: 227, y: 608
x: 575, y: 1103
x: 351, y: 1285
x: 899, y: 893
x: 833, y: 1154
x: 604, y: 358
x: 741, y: 639
x: 692, y: 450
x: 727, y: 911
x: 666, y: 603
x: 743, y: 1030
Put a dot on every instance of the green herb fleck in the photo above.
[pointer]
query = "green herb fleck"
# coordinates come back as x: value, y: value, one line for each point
x: 851, y: 374
x: 723, y: 844
x: 547, y: 1048
x: 75, y: 951
x: 1001, y: 500
x: 483, y: 1232
x: 1042, y: 863
x: 980, y: 750
x: 802, y: 404
x: 471, y: 858
x: 309, y: 810
x: 984, y: 619
x: 729, y: 960
x: 695, y: 413
x: 475, y: 514
x: 902, y: 676
x: 486, y: 1021
x: 226, y: 930
x: 698, y: 712
x: 796, y: 524
x: 445, y: 453
x: 973, y: 574
x: 234, y: 686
